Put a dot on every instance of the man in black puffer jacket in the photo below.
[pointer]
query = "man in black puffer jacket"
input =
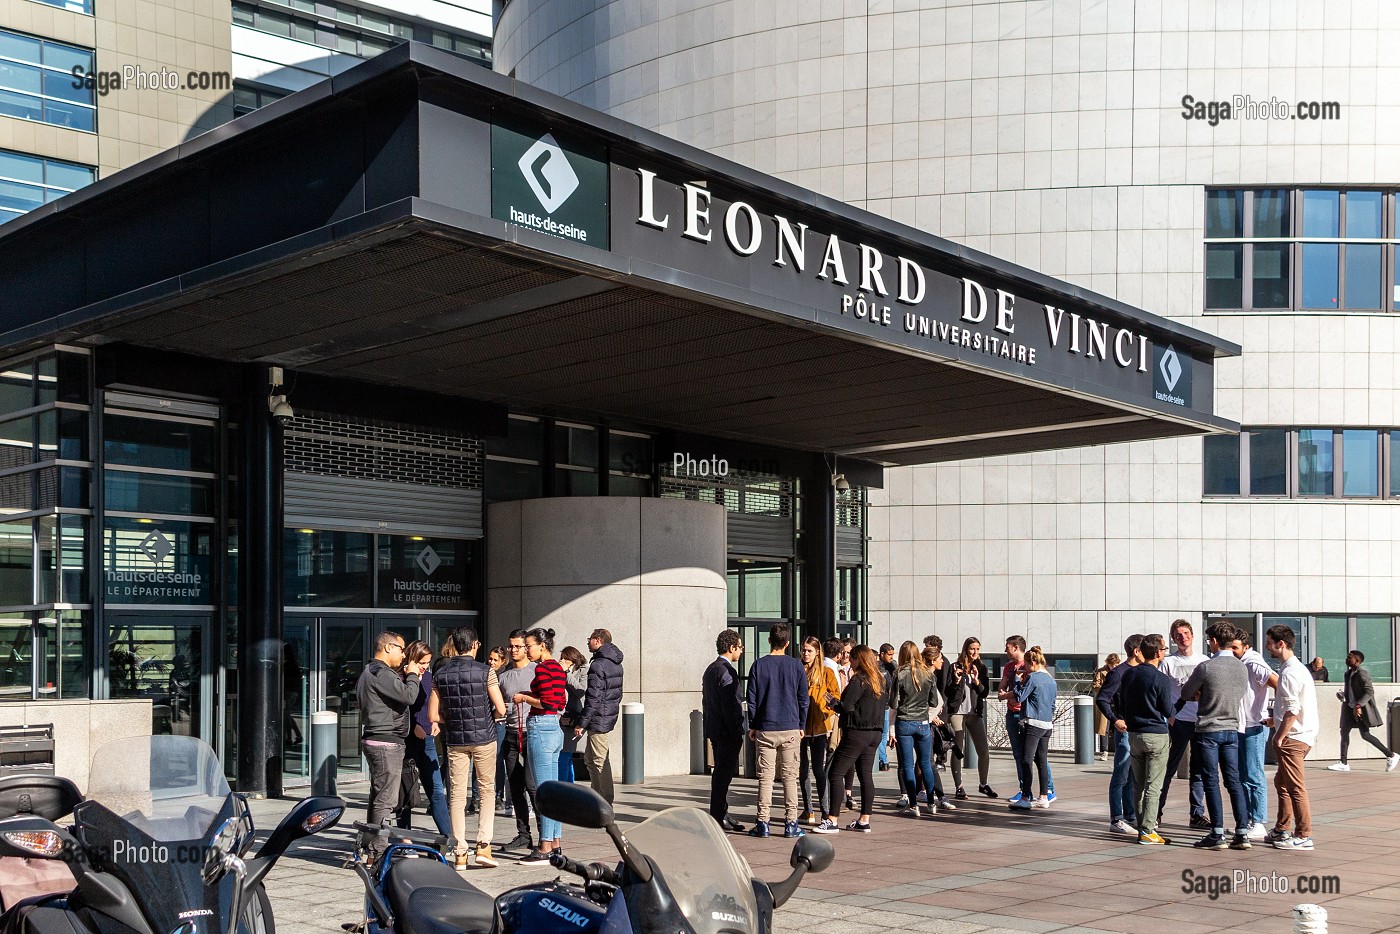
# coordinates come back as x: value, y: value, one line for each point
x: 601, y: 705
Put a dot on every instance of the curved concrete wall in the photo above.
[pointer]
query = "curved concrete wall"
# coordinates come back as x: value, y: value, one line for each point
x: 1051, y: 134
x: 650, y: 571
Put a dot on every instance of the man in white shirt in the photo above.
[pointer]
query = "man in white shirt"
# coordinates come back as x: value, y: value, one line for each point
x: 1178, y: 666
x: 1295, y: 732
x: 1254, y: 735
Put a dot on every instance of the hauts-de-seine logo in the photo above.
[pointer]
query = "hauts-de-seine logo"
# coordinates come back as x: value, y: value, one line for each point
x: 546, y: 179
x: 548, y: 173
x: 1171, y: 377
x: 156, y: 547
x: 428, y: 560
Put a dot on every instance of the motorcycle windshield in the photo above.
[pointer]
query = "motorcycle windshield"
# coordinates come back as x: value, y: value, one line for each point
x: 712, y: 884
x: 172, y: 788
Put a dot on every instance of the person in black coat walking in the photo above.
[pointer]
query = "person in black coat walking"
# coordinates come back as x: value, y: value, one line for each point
x: 601, y: 706
x: 723, y: 716
x: 1359, y: 712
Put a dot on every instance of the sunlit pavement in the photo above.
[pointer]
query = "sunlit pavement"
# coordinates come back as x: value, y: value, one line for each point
x: 982, y: 868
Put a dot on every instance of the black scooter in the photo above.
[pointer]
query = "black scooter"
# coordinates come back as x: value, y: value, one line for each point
x: 159, y: 847
x: 678, y: 875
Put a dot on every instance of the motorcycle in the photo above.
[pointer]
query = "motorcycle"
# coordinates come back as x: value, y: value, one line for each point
x: 678, y: 874
x: 160, y: 846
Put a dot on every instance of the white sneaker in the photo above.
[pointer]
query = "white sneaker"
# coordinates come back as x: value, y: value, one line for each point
x: 946, y: 805
x: 923, y: 797
x: 1123, y: 827
x: 1041, y: 802
x: 1392, y: 762
x: 1339, y: 767
x: 1256, y: 832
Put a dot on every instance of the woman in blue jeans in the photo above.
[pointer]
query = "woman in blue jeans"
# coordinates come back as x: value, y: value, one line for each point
x: 913, y: 698
x: 421, y: 745
x: 544, y: 739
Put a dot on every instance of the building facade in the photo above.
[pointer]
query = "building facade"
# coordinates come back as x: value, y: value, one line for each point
x: 1229, y: 165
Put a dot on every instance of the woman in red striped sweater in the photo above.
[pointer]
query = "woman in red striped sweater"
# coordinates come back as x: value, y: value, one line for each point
x: 544, y: 740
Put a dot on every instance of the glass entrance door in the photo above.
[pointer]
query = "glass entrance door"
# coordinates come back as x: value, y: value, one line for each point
x: 343, y: 645
x: 163, y: 657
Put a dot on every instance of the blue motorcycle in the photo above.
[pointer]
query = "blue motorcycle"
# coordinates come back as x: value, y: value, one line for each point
x: 677, y: 874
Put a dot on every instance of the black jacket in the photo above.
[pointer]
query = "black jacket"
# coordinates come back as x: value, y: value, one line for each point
x: 720, y: 705
x: 384, y: 696
x: 603, y: 701
x: 958, y: 687
x: 861, y: 708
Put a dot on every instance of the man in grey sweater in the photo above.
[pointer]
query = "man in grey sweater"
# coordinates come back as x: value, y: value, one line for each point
x: 1218, y: 686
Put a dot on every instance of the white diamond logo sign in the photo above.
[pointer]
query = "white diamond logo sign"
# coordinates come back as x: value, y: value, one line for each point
x: 548, y: 172
x: 156, y: 547
x: 428, y: 560
x: 1170, y: 367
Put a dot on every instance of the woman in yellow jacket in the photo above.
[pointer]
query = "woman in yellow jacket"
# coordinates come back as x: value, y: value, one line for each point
x: 824, y: 692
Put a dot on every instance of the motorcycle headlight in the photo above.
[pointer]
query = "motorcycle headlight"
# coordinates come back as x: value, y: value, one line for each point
x: 45, y: 843
x: 322, y: 820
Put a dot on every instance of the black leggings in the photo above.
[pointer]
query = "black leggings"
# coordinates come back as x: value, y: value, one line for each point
x: 1035, y: 749
x: 856, y: 752
x: 812, y: 765
x: 1349, y: 724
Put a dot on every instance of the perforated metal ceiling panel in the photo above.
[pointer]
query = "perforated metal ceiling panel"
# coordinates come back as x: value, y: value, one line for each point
x: 434, y: 313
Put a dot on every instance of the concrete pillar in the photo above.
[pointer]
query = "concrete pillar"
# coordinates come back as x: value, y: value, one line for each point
x: 650, y: 571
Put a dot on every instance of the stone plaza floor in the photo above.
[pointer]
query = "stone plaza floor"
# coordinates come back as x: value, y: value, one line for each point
x: 982, y: 869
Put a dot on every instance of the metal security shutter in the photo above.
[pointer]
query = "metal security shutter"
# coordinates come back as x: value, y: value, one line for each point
x: 354, y: 505
x: 360, y: 476
x: 761, y: 509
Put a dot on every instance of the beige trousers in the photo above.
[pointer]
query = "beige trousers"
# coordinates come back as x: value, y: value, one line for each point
x: 460, y: 761
x: 779, y: 753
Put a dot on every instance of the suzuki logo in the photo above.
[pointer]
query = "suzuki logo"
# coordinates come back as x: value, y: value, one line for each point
x: 156, y: 547
x: 428, y: 560
x: 1170, y: 367
x: 548, y: 173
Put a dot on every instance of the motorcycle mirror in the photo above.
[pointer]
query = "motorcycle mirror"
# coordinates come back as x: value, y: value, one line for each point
x: 813, y: 852
x: 573, y: 804
x: 225, y: 843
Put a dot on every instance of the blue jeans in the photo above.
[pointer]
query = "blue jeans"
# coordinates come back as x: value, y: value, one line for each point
x: 424, y: 752
x: 1121, y: 798
x: 915, y: 739
x: 1253, y: 742
x: 1214, y: 755
x: 883, y: 754
x: 544, y: 740
x: 566, y: 765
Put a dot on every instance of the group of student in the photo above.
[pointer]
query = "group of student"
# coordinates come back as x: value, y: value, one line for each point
x: 823, y: 718
x: 1216, y: 707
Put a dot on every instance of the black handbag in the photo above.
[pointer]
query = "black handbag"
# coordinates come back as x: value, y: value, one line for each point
x: 410, y: 785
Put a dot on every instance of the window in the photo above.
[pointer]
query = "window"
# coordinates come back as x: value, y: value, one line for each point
x: 72, y: 6
x: 26, y: 182
x: 1328, y: 637
x: 1303, y: 462
x: 1303, y: 249
x: 36, y: 82
x: 347, y: 28
x: 250, y: 97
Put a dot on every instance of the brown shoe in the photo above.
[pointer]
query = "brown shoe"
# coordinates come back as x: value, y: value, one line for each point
x: 461, y: 860
x: 483, y: 856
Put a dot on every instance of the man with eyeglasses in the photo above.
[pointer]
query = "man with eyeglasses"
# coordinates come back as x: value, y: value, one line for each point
x: 387, y: 688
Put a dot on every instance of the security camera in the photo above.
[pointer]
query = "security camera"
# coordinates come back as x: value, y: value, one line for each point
x: 281, y: 410
x: 841, y: 483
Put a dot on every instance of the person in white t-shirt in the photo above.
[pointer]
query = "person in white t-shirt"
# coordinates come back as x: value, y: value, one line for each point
x: 1295, y: 732
x: 1178, y: 666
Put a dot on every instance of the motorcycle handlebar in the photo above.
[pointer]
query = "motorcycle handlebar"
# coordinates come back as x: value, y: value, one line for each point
x: 593, y: 872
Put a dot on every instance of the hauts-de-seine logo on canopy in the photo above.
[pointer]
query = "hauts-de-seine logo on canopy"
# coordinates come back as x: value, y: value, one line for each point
x: 545, y: 179
x: 1171, y: 376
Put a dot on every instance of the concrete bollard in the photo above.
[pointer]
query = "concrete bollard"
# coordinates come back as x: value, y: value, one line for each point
x: 697, y: 743
x: 633, y: 744
x: 1309, y: 919
x: 325, y: 736
x: 1083, y: 729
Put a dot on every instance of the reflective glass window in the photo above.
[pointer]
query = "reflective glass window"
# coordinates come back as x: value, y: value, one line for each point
x: 1364, y: 215
x: 1330, y: 642
x: 1361, y: 459
x: 1225, y: 213
x: 327, y: 568
x: 131, y: 491
x: 171, y: 445
x: 36, y: 81
x: 1224, y: 275
x: 1375, y: 637
x: 17, y: 563
x: 416, y: 572
x: 1315, y: 462
x: 1320, y: 282
x: 1270, y: 213
x: 1268, y: 462
x: 1321, y: 213
x: 1364, y: 279
x: 1271, y: 282
x: 524, y: 440
x: 158, y: 561
x: 1222, y: 465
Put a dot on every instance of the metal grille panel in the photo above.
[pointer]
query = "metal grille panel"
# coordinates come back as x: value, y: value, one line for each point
x: 762, y: 508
